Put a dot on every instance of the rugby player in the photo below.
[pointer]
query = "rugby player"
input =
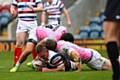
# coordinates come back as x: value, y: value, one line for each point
x: 35, y: 36
x: 88, y: 56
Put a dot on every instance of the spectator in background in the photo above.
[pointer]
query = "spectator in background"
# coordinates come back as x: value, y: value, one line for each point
x: 111, y: 30
x: 27, y: 20
x: 54, y: 10
x: 5, y: 16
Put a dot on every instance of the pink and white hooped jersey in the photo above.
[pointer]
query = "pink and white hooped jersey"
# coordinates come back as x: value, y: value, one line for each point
x: 43, y: 32
x: 85, y: 53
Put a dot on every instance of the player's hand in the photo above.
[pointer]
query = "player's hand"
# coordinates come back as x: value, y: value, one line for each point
x: 61, y: 68
x: 69, y: 23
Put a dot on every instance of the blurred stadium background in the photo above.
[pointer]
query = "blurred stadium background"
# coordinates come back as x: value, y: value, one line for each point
x: 87, y: 18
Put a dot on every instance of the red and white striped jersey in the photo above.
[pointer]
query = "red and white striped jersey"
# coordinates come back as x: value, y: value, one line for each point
x: 24, y: 12
x: 54, y: 9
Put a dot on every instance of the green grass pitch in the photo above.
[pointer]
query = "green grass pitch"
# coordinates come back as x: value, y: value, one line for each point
x: 25, y: 73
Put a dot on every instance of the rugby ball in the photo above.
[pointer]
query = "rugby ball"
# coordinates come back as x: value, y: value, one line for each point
x: 37, y: 65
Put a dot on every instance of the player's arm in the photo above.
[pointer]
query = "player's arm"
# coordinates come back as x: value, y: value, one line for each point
x: 42, y: 42
x: 78, y: 66
x: 43, y: 18
x: 74, y: 55
x: 40, y: 45
x: 52, y: 70
x: 59, y: 68
x: 13, y: 8
x: 66, y: 13
x: 39, y: 7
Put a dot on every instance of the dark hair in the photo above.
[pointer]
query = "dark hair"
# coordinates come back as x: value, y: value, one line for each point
x: 39, y: 48
x: 67, y: 37
x: 51, y: 44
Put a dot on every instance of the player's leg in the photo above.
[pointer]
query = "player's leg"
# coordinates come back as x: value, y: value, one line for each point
x: 32, y: 26
x: 96, y: 61
x: 107, y: 64
x: 112, y: 47
x: 21, y: 33
x: 31, y: 43
x: 28, y: 49
x: 20, y: 40
x: 32, y: 36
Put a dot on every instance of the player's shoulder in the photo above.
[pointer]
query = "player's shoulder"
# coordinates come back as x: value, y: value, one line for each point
x: 61, y: 41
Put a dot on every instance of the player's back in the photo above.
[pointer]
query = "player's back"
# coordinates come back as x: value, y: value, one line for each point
x: 59, y: 32
x: 85, y: 53
x: 43, y: 32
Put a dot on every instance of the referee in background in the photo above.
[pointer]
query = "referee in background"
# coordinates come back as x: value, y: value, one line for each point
x: 111, y: 30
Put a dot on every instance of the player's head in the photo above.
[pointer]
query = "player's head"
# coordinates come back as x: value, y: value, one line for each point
x: 42, y: 52
x: 39, y: 48
x: 51, y: 44
x: 67, y: 37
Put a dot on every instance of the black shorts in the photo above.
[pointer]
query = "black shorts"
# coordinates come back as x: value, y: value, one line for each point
x: 112, y: 11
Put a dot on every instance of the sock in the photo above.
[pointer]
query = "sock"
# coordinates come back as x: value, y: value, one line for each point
x: 119, y: 59
x: 17, y: 64
x: 113, y: 54
x: 34, y: 54
x: 17, y: 53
